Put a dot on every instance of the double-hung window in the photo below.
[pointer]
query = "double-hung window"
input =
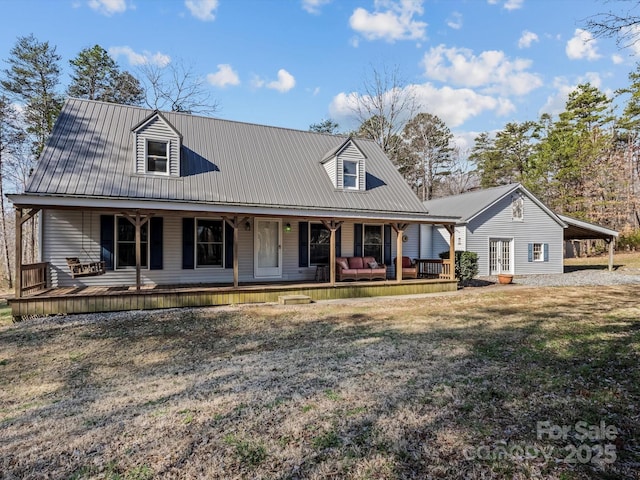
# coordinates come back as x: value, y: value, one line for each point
x: 538, y: 252
x: 126, y: 244
x: 209, y: 243
x: 372, y: 242
x: 157, y: 156
x: 350, y: 174
x: 319, y: 244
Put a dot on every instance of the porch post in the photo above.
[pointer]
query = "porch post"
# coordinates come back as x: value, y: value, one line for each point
x: 611, y: 245
x: 399, y: 228
x: 235, y: 224
x: 138, y: 249
x: 18, y: 260
x: 332, y: 226
x: 451, y: 228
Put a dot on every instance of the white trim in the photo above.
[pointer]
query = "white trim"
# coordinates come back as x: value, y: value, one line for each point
x: 52, y: 201
x: 357, y: 174
x: 533, y: 252
x: 167, y: 144
x: 276, y: 271
x: 512, y: 247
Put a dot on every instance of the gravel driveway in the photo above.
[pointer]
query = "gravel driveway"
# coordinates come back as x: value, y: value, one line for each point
x: 586, y: 276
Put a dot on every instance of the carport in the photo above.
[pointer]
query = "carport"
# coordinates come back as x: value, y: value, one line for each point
x: 581, y: 230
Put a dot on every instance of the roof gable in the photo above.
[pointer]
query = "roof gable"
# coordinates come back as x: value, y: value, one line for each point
x: 156, y: 114
x: 472, y: 204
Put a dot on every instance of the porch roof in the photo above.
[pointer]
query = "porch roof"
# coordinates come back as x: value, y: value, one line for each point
x: 226, y: 165
x: 144, y: 205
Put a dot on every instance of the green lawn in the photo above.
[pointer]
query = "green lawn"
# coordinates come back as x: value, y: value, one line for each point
x: 448, y: 386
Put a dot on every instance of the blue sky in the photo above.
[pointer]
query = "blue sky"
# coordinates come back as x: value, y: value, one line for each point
x: 475, y: 63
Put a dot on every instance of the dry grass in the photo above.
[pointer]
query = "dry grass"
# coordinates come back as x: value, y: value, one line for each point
x: 622, y: 260
x: 379, y: 389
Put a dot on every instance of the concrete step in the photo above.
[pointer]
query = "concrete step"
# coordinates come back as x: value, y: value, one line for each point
x: 293, y: 299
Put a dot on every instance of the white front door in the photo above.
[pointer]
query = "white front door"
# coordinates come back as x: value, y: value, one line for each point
x: 268, y: 248
x: 500, y: 256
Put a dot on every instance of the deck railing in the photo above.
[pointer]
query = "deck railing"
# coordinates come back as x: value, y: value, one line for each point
x: 434, y: 268
x: 34, y: 276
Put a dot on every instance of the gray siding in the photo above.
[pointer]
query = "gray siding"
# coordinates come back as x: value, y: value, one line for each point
x: 332, y: 170
x: 537, y: 227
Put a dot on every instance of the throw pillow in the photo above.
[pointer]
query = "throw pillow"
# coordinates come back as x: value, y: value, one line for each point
x: 373, y: 264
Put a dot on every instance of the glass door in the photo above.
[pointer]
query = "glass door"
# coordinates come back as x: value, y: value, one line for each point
x: 268, y: 248
x: 500, y: 256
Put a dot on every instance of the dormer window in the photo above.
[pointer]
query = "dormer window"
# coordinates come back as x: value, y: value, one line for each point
x: 157, y: 157
x: 157, y: 147
x: 350, y: 175
x: 346, y: 166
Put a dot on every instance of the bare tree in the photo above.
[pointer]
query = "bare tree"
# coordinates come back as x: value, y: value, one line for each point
x: 463, y: 176
x: 11, y: 137
x: 382, y: 107
x: 177, y: 88
x: 623, y: 25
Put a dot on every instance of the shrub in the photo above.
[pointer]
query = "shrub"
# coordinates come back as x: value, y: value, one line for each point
x: 466, y: 264
x: 629, y: 240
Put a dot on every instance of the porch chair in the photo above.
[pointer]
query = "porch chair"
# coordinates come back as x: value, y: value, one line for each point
x: 409, y: 268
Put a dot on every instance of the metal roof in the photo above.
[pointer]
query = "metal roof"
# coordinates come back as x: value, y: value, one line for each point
x: 469, y: 205
x: 581, y: 230
x: 91, y: 154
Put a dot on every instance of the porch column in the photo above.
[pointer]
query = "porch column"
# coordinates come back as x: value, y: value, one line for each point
x: 235, y: 224
x: 399, y: 228
x: 610, y: 242
x: 138, y: 249
x: 21, y: 218
x: 451, y: 228
x: 332, y: 226
x: 18, y: 260
x: 138, y: 222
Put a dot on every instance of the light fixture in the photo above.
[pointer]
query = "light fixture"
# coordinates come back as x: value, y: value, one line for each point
x: 287, y: 227
x: 247, y: 226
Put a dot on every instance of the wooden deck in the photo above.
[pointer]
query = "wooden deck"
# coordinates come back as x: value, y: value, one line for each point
x: 111, y: 299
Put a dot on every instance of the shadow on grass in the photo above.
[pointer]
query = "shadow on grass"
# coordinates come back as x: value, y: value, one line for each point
x: 399, y: 399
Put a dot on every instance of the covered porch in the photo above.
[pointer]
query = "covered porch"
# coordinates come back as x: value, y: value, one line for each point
x: 48, y: 287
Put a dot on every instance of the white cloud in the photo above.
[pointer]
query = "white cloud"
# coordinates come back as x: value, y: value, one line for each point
x: 285, y: 82
x: 202, y: 9
x: 314, y: 6
x: 631, y: 33
x: 513, y: 4
x: 453, y: 106
x: 582, y: 46
x: 224, y: 76
x: 144, y: 58
x: 508, y: 4
x: 455, y: 21
x: 617, y: 59
x: 391, y: 20
x: 109, y: 7
x: 491, y: 70
x: 527, y: 38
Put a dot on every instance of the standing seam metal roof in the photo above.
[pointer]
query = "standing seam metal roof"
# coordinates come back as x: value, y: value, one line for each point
x: 91, y: 153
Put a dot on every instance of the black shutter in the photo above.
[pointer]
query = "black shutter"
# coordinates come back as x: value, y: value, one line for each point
x: 339, y: 242
x: 188, y: 242
x: 387, y: 244
x: 357, y: 239
x: 107, y: 236
x: 303, y: 244
x: 155, y: 239
x: 228, y: 245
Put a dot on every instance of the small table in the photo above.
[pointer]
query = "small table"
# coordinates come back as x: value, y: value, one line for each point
x: 322, y: 273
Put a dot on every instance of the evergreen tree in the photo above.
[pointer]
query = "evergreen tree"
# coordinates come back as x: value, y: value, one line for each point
x: 325, y: 126
x: 32, y: 80
x: 96, y: 76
